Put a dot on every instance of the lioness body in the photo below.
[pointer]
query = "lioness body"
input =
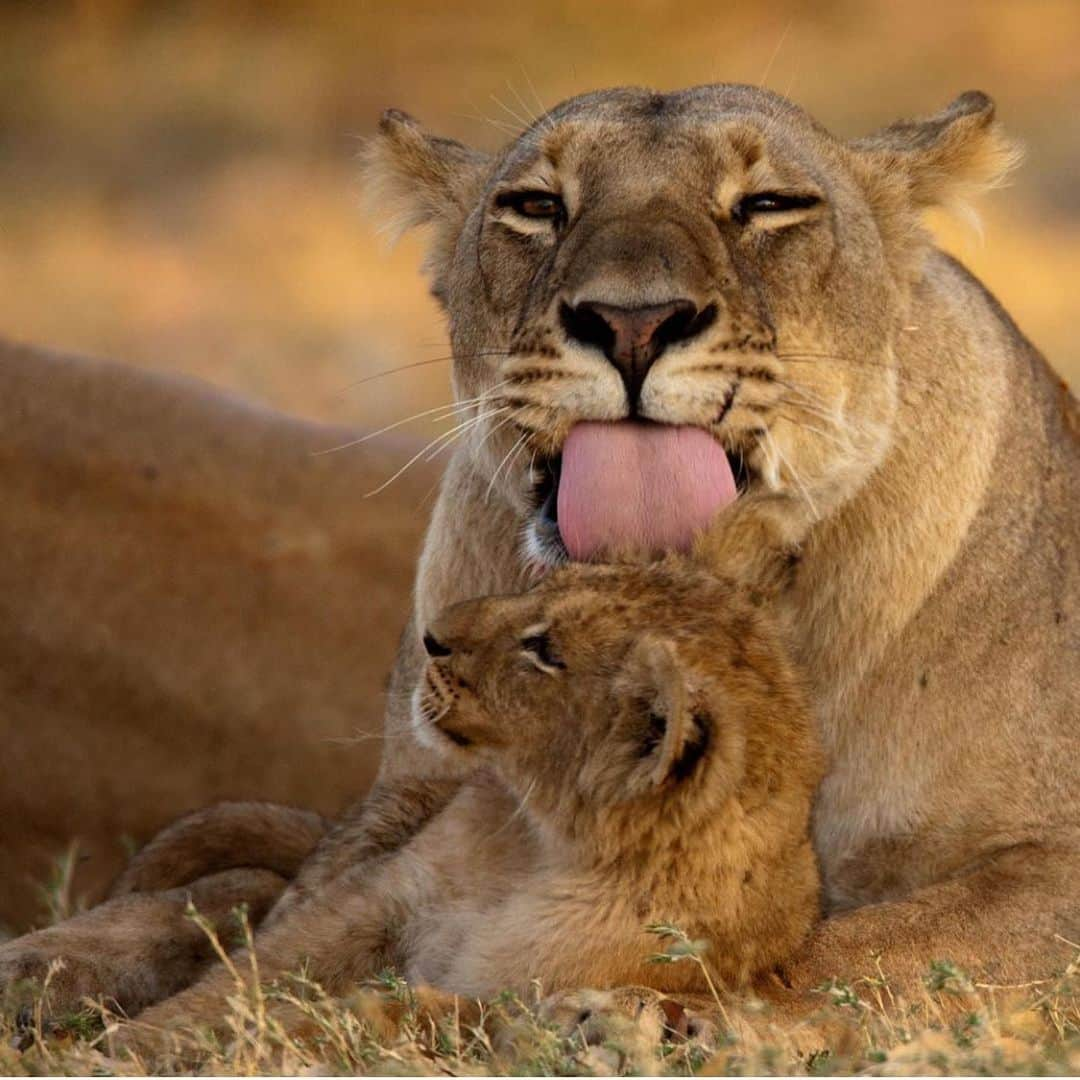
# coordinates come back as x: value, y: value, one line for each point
x: 193, y: 606
x: 918, y: 455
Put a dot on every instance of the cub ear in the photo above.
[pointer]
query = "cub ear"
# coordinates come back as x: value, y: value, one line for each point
x: 671, y: 739
x: 946, y: 158
x: 413, y: 178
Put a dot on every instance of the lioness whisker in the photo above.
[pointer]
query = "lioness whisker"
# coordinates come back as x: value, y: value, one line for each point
x: 444, y: 411
x: 835, y: 439
x: 502, y: 423
x: 817, y: 406
x: 518, y: 811
x: 500, y: 125
x: 839, y: 423
x: 512, y: 452
x: 542, y: 118
x: 414, y: 459
x: 448, y: 438
x: 517, y: 443
x: 902, y: 373
x: 533, y: 117
x: 423, y: 363
x: 796, y: 478
x: 524, y: 123
x: 463, y: 429
x: 364, y: 736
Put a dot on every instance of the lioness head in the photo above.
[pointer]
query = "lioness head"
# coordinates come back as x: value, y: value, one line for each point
x: 661, y: 302
x: 612, y: 686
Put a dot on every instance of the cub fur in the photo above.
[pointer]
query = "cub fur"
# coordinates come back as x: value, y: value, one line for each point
x: 140, y: 945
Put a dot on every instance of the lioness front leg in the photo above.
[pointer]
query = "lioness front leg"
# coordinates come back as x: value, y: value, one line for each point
x: 392, y: 813
x: 134, y: 950
x: 413, y: 785
x: 1002, y: 922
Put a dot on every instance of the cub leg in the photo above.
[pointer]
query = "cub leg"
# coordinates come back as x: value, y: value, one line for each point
x: 134, y: 950
x: 338, y: 939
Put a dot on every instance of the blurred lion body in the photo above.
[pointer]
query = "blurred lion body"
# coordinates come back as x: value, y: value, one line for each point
x: 194, y: 607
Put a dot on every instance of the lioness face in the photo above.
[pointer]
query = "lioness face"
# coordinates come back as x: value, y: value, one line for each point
x: 603, y: 685
x: 708, y: 261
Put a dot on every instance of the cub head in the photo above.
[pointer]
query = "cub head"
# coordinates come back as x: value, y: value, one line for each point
x: 711, y: 260
x: 608, y: 688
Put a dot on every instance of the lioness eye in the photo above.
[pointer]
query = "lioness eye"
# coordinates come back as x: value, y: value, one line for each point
x: 538, y: 646
x: 771, y: 202
x: 533, y: 204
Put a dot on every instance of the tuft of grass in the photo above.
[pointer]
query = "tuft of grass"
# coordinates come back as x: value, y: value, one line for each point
x: 58, y: 892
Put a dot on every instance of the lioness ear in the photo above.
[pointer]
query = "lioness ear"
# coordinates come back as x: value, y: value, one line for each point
x: 413, y: 178
x: 671, y: 739
x: 946, y: 158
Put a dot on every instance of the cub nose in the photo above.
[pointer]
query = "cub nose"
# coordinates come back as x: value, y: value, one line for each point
x: 433, y: 647
x: 633, y: 338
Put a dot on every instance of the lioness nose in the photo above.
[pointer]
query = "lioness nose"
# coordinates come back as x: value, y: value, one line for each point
x: 633, y: 338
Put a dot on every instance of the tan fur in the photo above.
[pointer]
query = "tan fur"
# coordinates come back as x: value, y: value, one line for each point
x: 194, y: 607
x: 903, y: 438
x: 636, y: 776
x: 134, y: 950
x: 223, y: 837
x: 141, y: 945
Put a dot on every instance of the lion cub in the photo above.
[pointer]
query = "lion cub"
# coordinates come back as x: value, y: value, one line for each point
x: 660, y: 762
x: 643, y: 752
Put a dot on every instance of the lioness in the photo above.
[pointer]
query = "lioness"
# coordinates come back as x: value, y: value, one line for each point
x: 640, y: 750
x: 702, y: 307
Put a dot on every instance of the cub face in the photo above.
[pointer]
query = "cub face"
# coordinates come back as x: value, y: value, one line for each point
x: 606, y: 686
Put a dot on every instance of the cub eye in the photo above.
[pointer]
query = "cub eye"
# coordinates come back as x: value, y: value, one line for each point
x: 534, y: 204
x: 538, y: 647
x: 771, y: 202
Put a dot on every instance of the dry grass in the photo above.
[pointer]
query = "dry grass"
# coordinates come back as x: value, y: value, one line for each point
x: 953, y: 1027
x: 950, y: 1030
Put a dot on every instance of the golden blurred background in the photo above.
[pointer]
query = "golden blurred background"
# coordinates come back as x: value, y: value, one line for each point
x: 178, y: 180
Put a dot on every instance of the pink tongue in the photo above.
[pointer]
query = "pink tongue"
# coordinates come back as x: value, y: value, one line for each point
x: 631, y: 485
